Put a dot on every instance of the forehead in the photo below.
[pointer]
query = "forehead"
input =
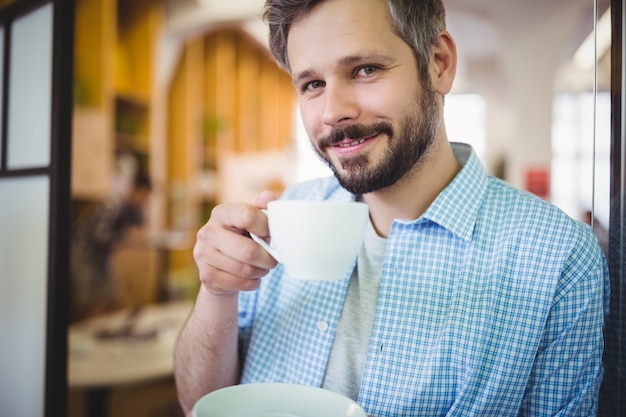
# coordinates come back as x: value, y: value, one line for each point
x: 341, y: 27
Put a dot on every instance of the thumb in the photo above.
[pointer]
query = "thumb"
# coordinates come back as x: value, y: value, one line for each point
x: 264, y: 198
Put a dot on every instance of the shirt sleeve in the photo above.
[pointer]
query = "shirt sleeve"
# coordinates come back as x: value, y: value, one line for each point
x: 247, y: 311
x: 567, y: 372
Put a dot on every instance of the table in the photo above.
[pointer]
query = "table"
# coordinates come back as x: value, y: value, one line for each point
x: 127, y: 347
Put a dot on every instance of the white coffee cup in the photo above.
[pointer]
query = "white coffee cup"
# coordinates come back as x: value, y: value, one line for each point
x: 316, y: 240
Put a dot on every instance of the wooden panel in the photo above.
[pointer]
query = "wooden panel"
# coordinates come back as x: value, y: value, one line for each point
x: 269, y: 82
x: 213, y: 123
x: 226, y: 60
x: 177, y: 128
x: 193, y: 121
x: 114, y: 51
x: 92, y: 44
x: 286, y: 103
x: 247, y: 99
x: 226, y: 98
x: 177, y: 184
x: 185, y: 133
x: 137, y: 24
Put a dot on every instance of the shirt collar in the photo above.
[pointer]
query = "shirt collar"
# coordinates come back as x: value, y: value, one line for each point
x: 456, y: 207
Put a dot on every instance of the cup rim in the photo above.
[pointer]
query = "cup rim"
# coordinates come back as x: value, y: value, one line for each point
x: 337, y: 202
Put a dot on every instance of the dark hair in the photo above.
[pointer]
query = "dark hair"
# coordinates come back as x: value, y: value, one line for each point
x: 142, y: 182
x: 417, y: 22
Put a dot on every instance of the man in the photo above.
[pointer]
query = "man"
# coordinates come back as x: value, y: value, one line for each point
x: 468, y: 298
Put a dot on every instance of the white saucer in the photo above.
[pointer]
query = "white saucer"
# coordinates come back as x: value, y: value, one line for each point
x: 275, y: 400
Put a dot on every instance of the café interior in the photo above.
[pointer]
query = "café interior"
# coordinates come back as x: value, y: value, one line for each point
x: 183, y: 95
x: 184, y: 92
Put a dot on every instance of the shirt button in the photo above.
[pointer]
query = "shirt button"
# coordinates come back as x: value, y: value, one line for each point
x: 322, y: 326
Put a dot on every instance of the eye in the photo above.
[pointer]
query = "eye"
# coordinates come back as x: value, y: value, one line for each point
x: 312, y: 86
x: 366, y: 70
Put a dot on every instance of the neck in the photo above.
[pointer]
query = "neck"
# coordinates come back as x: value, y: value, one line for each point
x: 415, y: 192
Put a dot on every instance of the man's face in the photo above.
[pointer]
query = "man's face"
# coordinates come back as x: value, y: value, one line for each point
x: 359, y: 93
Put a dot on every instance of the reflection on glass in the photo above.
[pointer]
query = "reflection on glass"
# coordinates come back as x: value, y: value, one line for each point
x: 612, y: 394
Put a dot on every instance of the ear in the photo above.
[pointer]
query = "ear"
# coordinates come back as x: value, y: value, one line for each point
x: 443, y: 63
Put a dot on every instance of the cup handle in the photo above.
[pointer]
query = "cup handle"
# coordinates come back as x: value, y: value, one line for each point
x: 264, y: 244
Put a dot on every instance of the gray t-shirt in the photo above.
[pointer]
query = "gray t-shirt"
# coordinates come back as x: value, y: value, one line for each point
x: 349, y: 352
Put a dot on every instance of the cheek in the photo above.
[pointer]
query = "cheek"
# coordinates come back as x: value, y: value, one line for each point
x: 385, y: 102
x: 311, y: 119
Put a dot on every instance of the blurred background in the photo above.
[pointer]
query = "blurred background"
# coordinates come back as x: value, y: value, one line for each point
x: 178, y: 107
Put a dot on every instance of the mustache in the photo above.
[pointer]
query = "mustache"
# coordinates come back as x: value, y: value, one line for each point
x: 354, y: 131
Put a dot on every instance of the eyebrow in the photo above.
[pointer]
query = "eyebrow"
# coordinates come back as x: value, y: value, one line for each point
x: 346, y: 61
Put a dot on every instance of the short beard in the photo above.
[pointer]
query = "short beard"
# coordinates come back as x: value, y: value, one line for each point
x: 406, y: 150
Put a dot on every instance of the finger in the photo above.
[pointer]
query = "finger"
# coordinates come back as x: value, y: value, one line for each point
x: 221, y: 274
x: 239, y: 218
x: 208, y: 258
x: 244, y: 257
x: 227, y: 250
x: 264, y: 198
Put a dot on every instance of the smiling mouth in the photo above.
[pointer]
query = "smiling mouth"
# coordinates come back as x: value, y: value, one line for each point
x: 350, y: 143
x: 354, y: 136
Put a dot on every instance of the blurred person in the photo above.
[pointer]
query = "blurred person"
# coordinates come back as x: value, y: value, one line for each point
x: 468, y: 298
x: 118, y: 221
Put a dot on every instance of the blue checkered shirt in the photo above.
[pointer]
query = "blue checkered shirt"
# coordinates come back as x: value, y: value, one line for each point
x: 490, y: 304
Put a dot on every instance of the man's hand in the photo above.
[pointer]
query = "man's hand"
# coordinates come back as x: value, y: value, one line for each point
x: 228, y: 260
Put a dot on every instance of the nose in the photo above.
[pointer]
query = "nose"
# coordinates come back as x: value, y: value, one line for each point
x: 340, y: 105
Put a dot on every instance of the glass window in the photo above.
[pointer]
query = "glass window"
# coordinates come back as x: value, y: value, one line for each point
x: 465, y: 116
x: 578, y: 185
